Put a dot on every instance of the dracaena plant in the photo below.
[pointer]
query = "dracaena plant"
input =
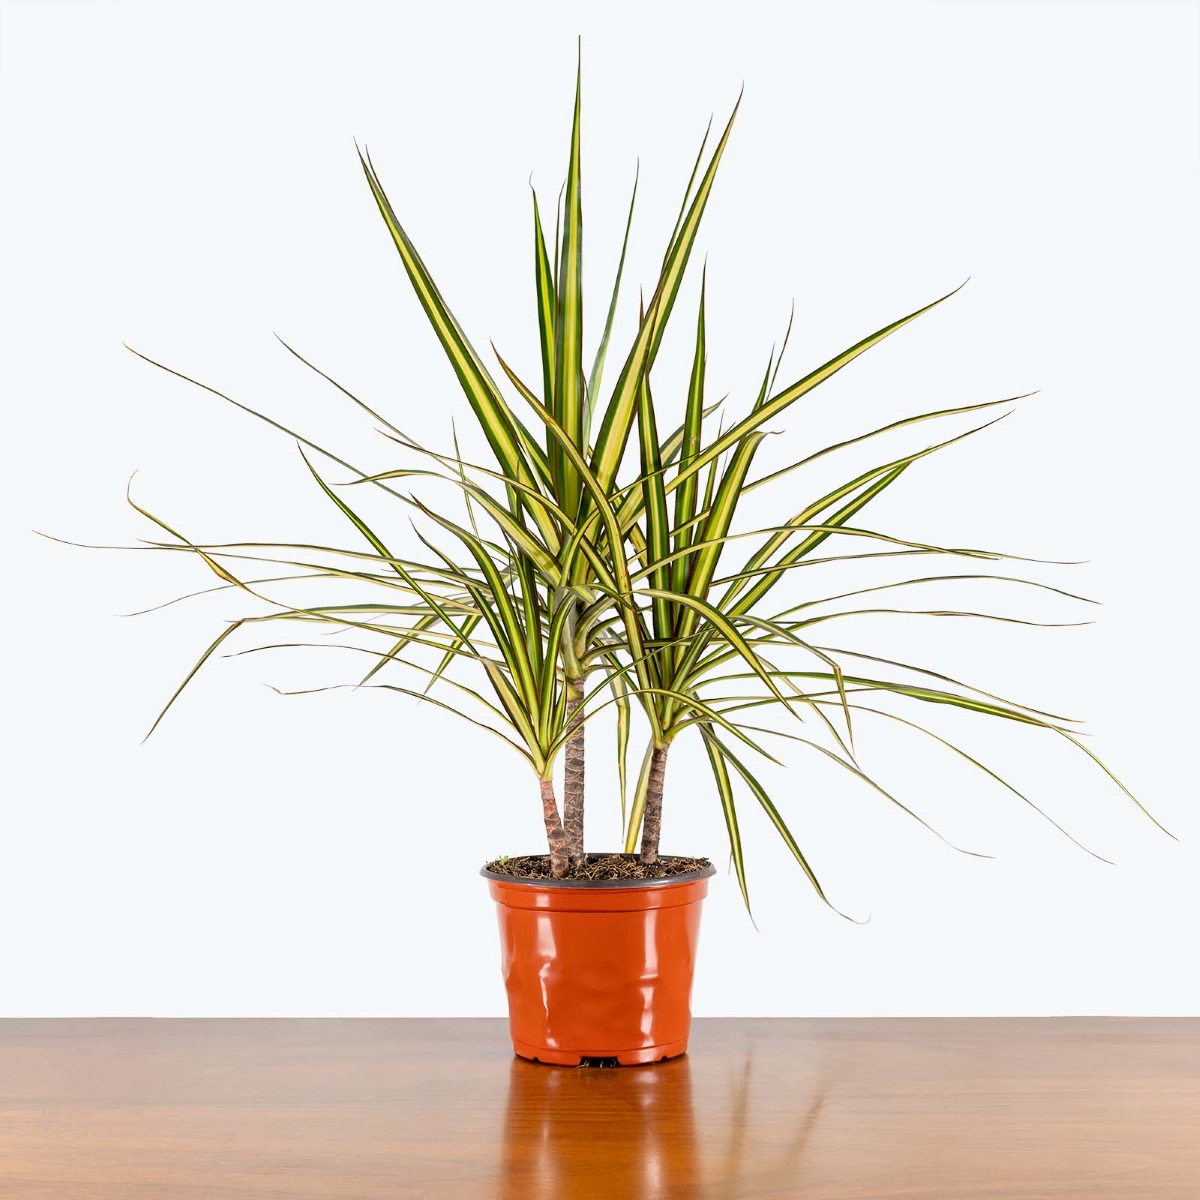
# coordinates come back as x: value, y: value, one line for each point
x: 595, y: 564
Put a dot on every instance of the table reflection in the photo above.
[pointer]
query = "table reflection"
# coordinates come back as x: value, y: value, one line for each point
x: 671, y: 1130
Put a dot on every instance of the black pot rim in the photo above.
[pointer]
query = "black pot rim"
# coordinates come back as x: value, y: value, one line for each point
x: 605, y: 884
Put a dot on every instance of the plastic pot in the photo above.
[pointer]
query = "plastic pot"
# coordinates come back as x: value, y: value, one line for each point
x: 599, y: 968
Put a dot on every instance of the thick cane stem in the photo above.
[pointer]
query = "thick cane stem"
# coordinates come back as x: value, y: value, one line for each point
x: 573, y: 773
x: 559, y: 862
x: 652, y: 819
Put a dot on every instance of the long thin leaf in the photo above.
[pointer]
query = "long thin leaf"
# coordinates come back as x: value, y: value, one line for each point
x: 597, y: 374
x: 685, y: 496
x: 192, y: 674
x: 618, y: 416
x: 776, y: 404
x: 720, y: 773
x: 497, y: 422
x: 543, y: 277
x: 760, y: 794
x: 567, y: 401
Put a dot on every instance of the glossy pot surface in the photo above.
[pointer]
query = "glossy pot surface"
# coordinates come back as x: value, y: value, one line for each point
x: 599, y: 969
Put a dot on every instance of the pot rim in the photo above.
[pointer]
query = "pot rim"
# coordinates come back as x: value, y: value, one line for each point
x: 605, y: 884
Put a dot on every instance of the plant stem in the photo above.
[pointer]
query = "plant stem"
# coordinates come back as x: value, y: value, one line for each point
x: 559, y: 862
x: 573, y: 772
x: 652, y: 820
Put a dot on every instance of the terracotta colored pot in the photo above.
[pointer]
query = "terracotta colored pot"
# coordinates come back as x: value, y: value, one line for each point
x: 599, y: 969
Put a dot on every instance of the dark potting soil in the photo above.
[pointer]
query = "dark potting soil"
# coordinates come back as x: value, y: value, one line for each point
x: 597, y: 866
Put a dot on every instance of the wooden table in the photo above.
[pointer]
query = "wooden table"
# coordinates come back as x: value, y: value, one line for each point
x: 360, y: 1109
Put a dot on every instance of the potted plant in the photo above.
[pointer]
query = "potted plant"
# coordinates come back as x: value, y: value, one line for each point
x: 595, y: 568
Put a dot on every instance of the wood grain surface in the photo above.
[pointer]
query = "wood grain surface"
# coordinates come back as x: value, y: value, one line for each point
x: 364, y: 1109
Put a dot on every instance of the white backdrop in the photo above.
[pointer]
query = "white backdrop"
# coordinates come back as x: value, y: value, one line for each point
x: 182, y: 178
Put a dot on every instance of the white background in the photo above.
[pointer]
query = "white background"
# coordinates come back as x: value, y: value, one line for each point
x: 182, y: 177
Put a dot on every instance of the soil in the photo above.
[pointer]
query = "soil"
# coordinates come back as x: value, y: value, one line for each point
x: 598, y: 866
